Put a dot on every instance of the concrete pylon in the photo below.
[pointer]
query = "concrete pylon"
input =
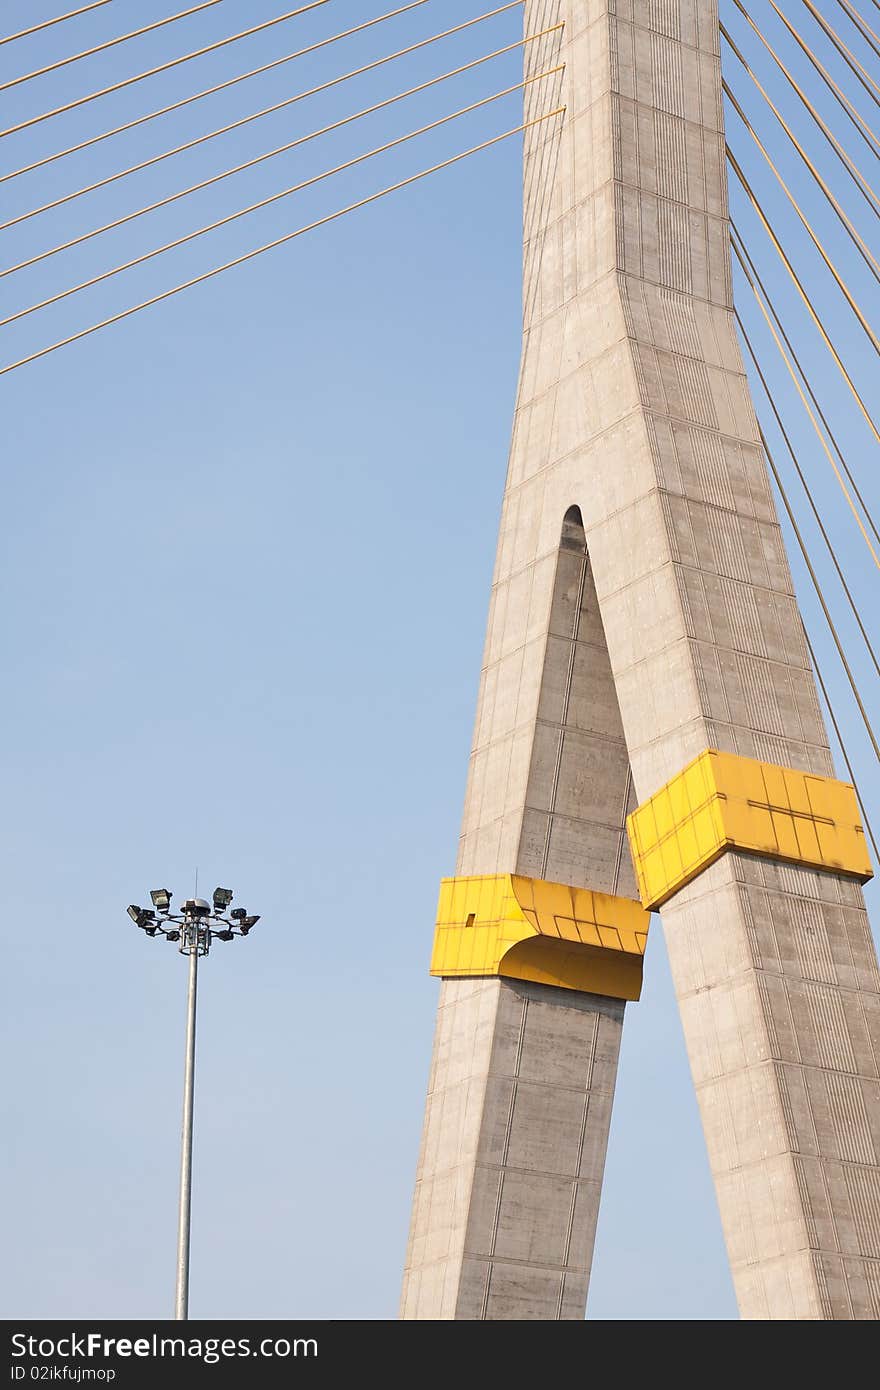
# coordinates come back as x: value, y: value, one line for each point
x: 647, y: 734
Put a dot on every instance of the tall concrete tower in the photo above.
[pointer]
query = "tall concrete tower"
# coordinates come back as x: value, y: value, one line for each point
x: 648, y: 736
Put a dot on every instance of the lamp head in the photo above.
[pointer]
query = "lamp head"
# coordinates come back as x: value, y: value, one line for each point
x: 161, y: 899
x: 197, y: 907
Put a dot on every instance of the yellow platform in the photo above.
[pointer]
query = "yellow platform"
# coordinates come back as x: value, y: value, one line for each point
x: 527, y: 929
x: 722, y: 801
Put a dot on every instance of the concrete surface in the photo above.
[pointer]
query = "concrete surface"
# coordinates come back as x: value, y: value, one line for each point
x: 642, y: 610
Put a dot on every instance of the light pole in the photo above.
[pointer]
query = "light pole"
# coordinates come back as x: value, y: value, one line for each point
x: 195, y: 927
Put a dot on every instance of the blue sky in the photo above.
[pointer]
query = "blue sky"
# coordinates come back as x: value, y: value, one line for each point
x: 248, y: 539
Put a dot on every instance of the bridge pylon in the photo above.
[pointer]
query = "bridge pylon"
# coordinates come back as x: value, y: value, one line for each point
x: 648, y: 737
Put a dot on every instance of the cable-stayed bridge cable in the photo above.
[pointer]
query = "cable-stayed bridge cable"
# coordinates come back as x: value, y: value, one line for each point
x: 861, y: 73
x: 273, y: 198
x: 753, y: 276
x: 243, y: 77
x: 279, y: 241
x: 821, y: 597
x: 780, y: 251
x: 833, y: 717
x: 871, y: 38
x: 851, y: 112
x: 57, y: 19
x: 280, y: 149
x: 804, y: 400
x: 872, y: 264
x: 805, y: 485
x: 806, y: 224
x: 162, y: 67
x: 265, y: 111
x: 108, y: 43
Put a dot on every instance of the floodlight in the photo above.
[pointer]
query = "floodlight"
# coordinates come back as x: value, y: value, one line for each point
x: 194, y: 925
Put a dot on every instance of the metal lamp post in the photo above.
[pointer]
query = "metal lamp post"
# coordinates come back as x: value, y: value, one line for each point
x: 194, y: 927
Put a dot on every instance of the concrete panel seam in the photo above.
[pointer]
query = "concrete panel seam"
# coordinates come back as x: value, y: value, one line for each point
x: 791, y: 1063
x: 638, y: 416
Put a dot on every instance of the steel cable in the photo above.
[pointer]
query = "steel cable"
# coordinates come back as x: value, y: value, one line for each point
x: 805, y: 223
x: 821, y: 596
x: 833, y: 717
x: 853, y: 115
x: 806, y: 405
x: 48, y: 23
x: 265, y: 111
x: 805, y: 485
x: 273, y: 198
x: 854, y: 236
x: 780, y: 251
x: 271, y: 245
x: 862, y: 75
x: 162, y: 67
x: 271, y: 154
x: 108, y: 43
x: 210, y: 91
x: 751, y: 269
x: 864, y: 28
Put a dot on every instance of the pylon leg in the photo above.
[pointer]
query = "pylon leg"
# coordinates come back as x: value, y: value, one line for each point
x: 634, y: 438
x: 522, y: 1077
